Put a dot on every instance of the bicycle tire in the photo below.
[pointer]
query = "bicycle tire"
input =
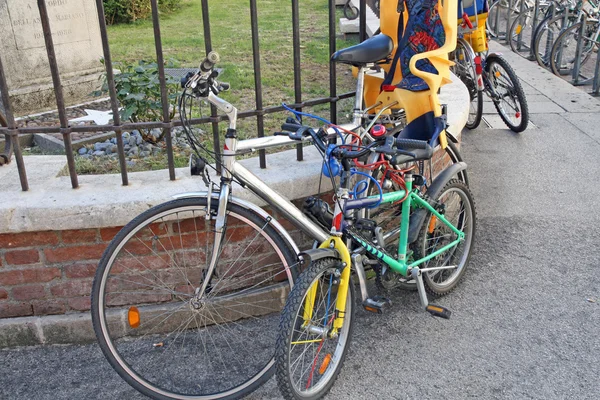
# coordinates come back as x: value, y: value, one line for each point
x: 350, y: 12
x: 291, y: 320
x: 144, y: 279
x: 437, y: 234
x: 564, y: 49
x: 521, y: 27
x: 464, y: 69
x: 514, y: 92
x: 545, y: 36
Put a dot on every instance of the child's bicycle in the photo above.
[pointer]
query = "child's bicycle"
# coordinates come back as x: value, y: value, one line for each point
x: 434, y: 248
x: 482, y: 71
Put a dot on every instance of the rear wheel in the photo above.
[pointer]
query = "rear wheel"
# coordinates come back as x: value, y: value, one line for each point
x: 455, y: 203
x: 507, y: 94
x: 310, y: 351
x: 545, y: 36
x: 158, y: 331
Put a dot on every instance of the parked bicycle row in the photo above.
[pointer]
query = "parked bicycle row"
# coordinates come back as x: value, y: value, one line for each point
x: 562, y: 36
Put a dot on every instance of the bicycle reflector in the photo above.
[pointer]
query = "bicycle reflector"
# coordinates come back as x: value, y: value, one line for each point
x: 325, y: 364
x: 133, y: 317
x: 378, y: 131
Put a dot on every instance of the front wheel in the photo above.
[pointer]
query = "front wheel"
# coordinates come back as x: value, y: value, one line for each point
x: 310, y: 350
x: 160, y: 333
x: 456, y: 204
x: 507, y: 94
x: 465, y: 70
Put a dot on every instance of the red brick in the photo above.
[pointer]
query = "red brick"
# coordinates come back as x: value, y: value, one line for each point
x: 8, y: 310
x: 3, y: 294
x: 34, y: 275
x: 20, y: 257
x: 80, y: 270
x: 48, y: 307
x: 141, y: 263
x: 78, y: 236
x: 28, y: 292
x: 27, y: 239
x: 190, y: 225
x: 72, y: 288
x: 80, y: 303
x: 107, y: 234
x: 74, y: 253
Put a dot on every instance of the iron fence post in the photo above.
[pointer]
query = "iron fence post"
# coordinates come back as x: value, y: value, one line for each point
x: 112, y: 92
x: 12, y: 129
x: 214, y: 115
x: 257, y: 79
x: 332, y: 66
x: 362, y: 24
x: 60, y: 101
x: 164, y: 96
x: 297, y: 66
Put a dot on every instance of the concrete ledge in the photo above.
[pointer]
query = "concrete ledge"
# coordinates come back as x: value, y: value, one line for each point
x: 101, y: 201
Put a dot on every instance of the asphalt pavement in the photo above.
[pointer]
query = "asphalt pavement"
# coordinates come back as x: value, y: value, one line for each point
x: 526, y: 318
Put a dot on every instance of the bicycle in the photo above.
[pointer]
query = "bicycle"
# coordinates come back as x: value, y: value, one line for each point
x: 572, y: 49
x: 482, y: 71
x: 317, y: 321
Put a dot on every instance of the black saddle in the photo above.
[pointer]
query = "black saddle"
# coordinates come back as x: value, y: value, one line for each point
x: 371, y: 50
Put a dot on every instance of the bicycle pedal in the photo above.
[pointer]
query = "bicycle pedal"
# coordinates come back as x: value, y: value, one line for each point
x: 438, y: 311
x: 377, y: 304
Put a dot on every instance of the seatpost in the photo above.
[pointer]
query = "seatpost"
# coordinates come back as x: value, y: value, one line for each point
x: 358, y: 100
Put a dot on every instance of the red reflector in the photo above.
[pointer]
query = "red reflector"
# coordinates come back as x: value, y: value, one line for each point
x: 518, y: 115
x: 478, y: 68
x: 388, y: 88
x: 225, y: 147
x: 378, y: 130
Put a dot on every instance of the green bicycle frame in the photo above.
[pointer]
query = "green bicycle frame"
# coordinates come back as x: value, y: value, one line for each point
x: 401, y: 265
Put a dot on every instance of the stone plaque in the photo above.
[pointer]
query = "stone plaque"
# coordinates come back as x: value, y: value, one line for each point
x: 68, y: 23
x: 77, y: 45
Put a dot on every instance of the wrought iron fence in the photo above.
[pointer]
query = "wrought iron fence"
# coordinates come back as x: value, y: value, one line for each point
x: 11, y: 131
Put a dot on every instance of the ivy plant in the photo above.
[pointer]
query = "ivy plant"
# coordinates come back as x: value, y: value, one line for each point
x: 138, y: 92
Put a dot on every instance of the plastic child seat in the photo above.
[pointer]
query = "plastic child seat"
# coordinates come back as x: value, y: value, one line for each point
x: 477, y: 11
x: 425, y: 65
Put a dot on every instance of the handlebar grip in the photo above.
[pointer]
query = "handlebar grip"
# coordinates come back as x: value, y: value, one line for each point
x: 408, y: 144
x: 290, y: 127
x: 209, y: 61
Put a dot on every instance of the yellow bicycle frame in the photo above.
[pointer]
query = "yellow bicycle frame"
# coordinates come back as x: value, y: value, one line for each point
x: 342, y: 295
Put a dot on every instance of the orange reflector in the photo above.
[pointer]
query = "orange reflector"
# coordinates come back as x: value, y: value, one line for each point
x: 519, y: 29
x: 325, y: 364
x: 497, y: 73
x: 432, y: 222
x: 133, y: 317
x: 434, y: 308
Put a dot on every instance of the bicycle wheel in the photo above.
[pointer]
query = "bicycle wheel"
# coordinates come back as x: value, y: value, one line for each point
x: 545, y: 36
x: 507, y: 94
x: 520, y: 35
x: 498, y: 15
x: 456, y: 203
x: 564, y: 50
x: 464, y: 69
x: 158, y: 334
x: 310, y: 354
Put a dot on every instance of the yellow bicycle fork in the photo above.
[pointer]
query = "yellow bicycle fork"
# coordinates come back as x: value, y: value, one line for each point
x: 340, y: 303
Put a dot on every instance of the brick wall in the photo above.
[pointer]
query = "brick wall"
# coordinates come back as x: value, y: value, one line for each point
x: 51, y: 272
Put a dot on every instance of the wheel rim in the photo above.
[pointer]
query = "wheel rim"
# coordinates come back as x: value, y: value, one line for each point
x: 460, y: 214
x: 149, y: 355
x: 305, y: 372
x: 564, y: 52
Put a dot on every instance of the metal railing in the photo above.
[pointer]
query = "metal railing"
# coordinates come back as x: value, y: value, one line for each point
x: 11, y: 131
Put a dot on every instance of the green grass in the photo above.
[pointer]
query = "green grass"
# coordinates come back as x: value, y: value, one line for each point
x: 183, y: 39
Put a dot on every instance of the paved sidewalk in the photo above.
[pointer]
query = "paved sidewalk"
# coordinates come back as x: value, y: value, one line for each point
x: 526, y: 319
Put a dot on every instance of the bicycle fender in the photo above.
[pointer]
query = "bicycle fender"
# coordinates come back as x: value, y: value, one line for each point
x: 450, y: 136
x: 316, y: 254
x: 418, y: 217
x: 489, y: 57
x: 246, y: 204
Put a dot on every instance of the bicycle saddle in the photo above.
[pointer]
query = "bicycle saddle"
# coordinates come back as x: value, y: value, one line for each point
x: 371, y: 50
